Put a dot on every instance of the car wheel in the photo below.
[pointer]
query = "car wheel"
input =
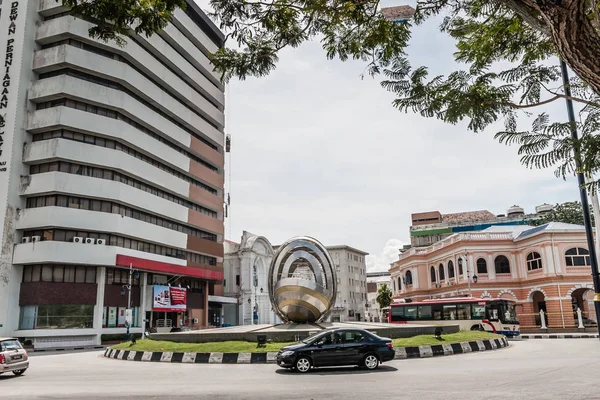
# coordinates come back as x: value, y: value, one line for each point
x: 19, y: 372
x: 371, y: 361
x: 303, y: 365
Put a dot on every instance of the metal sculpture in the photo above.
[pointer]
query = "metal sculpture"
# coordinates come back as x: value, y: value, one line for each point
x: 302, y: 281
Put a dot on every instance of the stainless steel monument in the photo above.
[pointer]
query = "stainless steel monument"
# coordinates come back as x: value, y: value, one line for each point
x: 302, y: 281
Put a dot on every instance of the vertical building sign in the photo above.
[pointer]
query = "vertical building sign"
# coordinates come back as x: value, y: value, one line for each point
x: 5, y: 95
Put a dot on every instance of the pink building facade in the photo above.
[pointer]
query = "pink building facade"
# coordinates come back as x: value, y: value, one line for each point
x: 540, y: 268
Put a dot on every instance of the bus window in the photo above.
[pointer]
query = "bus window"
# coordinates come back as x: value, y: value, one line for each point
x: 492, y: 312
x: 425, y: 312
x: 398, y: 314
x: 463, y: 311
x: 449, y: 312
x: 438, y: 312
x: 478, y: 311
x: 410, y: 313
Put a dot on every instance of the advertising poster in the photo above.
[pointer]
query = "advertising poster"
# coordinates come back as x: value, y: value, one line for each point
x: 168, y: 299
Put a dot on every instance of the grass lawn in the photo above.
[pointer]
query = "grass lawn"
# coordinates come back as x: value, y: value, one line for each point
x: 250, y: 347
x: 462, y: 336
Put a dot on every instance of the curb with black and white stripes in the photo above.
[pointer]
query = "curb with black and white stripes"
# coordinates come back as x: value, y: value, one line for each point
x: 560, y: 336
x: 271, y: 357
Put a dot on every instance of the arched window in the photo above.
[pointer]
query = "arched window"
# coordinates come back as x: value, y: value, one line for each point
x: 408, y: 278
x: 481, y: 266
x: 450, y: 269
x: 577, y: 257
x: 534, y: 261
x: 432, y: 273
x: 502, y: 265
x: 400, y: 283
x: 441, y: 272
x: 460, y: 268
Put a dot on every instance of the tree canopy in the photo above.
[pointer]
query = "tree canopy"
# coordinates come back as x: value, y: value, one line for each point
x: 526, y: 35
x: 570, y: 212
x: 384, y: 296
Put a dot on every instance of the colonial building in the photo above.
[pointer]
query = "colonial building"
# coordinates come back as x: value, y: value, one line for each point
x: 246, y: 278
x: 111, y: 158
x: 541, y: 268
x: 433, y: 226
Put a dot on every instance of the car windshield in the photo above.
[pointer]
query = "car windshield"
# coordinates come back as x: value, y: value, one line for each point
x: 10, y: 345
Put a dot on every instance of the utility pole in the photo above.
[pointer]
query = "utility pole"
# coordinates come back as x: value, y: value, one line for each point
x: 128, y: 313
x: 582, y: 192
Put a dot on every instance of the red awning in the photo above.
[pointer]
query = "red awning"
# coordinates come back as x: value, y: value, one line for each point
x: 166, y: 268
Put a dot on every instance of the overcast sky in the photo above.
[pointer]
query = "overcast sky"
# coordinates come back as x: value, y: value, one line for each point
x: 317, y: 151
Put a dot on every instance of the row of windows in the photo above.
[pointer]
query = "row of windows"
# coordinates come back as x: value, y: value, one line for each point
x: 461, y: 311
x: 117, y: 276
x: 575, y: 257
x: 101, y: 173
x: 96, y: 110
x: 58, y: 273
x: 115, y: 208
x: 60, y: 235
x: 116, y: 86
x: 111, y: 144
x: 117, y: 57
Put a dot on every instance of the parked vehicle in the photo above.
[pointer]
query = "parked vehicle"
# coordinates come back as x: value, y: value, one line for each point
x: 13, y: 357
x: 337, y: 347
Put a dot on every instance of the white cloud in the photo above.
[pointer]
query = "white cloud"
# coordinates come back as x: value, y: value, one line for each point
x: 389, y: 254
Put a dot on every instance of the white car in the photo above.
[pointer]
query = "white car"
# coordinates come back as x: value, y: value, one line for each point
x: 13, y: 357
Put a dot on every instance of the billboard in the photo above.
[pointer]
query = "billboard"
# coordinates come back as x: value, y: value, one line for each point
x: 168, y: 298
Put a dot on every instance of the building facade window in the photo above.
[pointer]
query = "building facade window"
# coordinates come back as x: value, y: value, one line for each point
x: 103, y: 173
x: 502, y: 265
x: 115, y: 208
x: 112, y: 144
x: 577, y: 257
x: 450, y: 269
x: 56, y: 317
x: 58, y: 273
x: 408, y: 278
x: 534, y: 261
x: 481, y: 266
x: 60, y: 235
x: 441, y: 272
x: 432, y: 275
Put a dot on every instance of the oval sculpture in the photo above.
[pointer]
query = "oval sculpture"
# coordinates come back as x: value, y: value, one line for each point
x: 302, y: 281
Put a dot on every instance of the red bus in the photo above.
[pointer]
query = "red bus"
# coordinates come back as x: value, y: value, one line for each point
x: 469, y: 313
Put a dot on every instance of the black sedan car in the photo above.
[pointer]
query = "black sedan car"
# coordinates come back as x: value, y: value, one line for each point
x: 337, y: 347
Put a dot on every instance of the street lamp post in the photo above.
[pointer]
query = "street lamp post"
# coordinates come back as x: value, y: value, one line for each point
x: 587, y: 222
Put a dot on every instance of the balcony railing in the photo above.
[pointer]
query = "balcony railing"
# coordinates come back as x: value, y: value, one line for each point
x: 461, y: 237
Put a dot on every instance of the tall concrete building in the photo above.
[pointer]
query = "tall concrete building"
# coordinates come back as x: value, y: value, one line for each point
x: 430, y: 227
x: 351, y: 271
x: 111, y: 158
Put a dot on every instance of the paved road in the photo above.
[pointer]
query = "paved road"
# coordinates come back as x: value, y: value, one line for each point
x: 534, y: 369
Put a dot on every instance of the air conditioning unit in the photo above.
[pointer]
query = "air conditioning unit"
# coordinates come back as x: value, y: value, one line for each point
x: 101, y: 242
x: 26, y: 239
x: 77, y: 239
x: 195, y: 320
x: 36, y: 238
x: 90, y: 241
